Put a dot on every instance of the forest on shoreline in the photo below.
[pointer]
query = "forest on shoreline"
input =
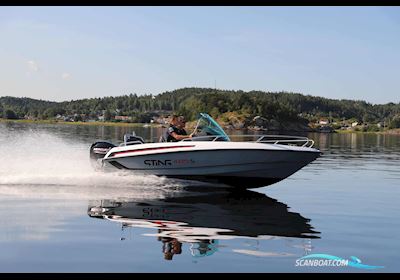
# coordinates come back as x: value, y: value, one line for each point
x: 239, y: 109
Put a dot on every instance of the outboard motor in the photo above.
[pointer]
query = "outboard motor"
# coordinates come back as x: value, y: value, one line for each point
x: 99, y: 149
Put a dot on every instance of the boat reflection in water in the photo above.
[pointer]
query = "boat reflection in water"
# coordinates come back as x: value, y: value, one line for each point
x: 203, y: 218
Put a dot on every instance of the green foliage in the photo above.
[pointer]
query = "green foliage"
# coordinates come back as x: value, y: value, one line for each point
x: 77, y: 118
x: 107, y: 115
x: 372, y: 128
x: 395, y: 122
x: 10, y: 114
x: 280, y: 106
x: 49, y: 113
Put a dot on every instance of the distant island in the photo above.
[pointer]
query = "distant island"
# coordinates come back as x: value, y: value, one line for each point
x: 255, y: 110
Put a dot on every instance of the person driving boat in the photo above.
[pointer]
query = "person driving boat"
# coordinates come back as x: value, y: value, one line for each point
x: 176, y: 131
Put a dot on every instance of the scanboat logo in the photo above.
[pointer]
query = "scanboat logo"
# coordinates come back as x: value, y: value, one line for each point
x: 329, y: 260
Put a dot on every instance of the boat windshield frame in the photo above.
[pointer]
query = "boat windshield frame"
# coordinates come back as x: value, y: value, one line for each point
x: 212, y: 128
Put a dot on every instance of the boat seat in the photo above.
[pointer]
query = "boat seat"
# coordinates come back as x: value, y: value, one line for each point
x: 130, y: 139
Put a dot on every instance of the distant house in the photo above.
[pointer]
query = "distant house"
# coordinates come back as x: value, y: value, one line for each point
x: 323, y: 121
x: 354, y: 124
x: 28, y: 117
x: 160, y: 120
x: 123, y: 118
x: 258, y: 117
x: 100, y: 118
x: 260, y: 122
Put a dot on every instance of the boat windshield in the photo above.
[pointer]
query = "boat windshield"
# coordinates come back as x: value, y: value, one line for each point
x: 207, y: 126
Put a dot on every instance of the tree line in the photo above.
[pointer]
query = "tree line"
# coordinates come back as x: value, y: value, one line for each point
x: 281, y: 106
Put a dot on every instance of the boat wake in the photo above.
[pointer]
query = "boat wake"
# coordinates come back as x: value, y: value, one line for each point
x: 43, y: 164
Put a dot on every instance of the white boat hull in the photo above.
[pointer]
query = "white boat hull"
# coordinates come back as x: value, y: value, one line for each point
x: 239, y: 164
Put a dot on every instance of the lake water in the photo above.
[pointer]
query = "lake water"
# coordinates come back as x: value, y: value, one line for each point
x: 51, y: 202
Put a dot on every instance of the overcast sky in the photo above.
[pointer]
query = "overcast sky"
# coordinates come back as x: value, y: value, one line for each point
x: 64, y: 53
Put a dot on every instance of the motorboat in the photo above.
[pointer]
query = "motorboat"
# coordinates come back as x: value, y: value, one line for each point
x: 211, y: 156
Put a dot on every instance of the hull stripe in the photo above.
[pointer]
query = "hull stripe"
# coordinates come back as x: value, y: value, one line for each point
x: 149, y: 149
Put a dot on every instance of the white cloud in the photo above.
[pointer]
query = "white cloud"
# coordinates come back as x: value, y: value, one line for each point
x: 65, y: 76
x: 33, y: 66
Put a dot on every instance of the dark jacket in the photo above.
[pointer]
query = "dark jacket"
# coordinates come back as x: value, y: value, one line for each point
x: 168, y: 134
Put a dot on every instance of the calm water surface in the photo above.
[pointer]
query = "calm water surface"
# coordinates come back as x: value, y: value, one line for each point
x: 57, y: 214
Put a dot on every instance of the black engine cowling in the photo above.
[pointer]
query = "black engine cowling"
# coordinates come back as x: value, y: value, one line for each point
x: 99, y: 149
